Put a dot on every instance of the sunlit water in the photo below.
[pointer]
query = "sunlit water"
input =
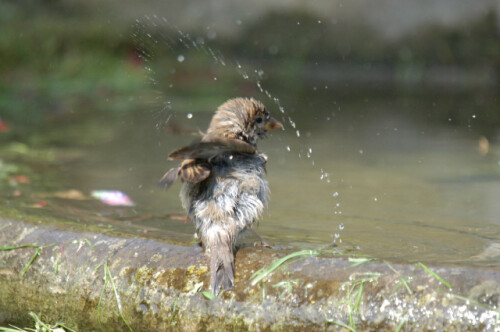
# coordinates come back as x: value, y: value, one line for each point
x: 374, y: 183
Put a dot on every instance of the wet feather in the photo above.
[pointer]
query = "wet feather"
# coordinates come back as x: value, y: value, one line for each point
x: 224, y: 189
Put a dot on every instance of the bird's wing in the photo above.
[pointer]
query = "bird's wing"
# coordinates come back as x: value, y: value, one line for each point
x: 169, y: 177
x: 193, y: 170
x: 195, y: 167
x: 190, y: 170
x: 207, y: 150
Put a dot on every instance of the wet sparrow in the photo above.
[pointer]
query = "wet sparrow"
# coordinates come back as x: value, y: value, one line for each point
x: 224, y: 189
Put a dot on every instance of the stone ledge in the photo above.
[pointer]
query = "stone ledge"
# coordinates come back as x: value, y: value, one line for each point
x: 156, y: 284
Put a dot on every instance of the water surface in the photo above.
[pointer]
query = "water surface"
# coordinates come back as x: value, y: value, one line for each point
x: 376, y: 176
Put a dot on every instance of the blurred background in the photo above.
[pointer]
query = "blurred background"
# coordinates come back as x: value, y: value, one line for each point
x: 391, y: 110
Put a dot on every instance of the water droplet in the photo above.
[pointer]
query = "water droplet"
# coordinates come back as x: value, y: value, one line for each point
x: 473, y: 116
x: 335, y: 194
x: 215, y: 78
x: 361, y: 151
x: 288, y: 149
x: 310, y: 150
x: 341, y: 226
x: 190, y: 116
x: 298, y: 133
x: 319, y: 21
x: 449, y: 119
x: 337, y: 205
x: 375, y: 199
x: 180, y: 58
x: 231, y: 157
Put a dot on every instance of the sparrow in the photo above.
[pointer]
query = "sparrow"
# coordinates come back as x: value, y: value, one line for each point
x: 224, y: 190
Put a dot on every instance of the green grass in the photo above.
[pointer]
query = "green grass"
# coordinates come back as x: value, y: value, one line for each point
x: 40, y: 326
x: 435, y: 275
x: 401, y: 324
x: 37, y: 253
x: 108, y: 278
x: 293, y: 257
x: 358, y: 261
x: 209, y: 295
x: 173, y: 313
x: 354, y: 294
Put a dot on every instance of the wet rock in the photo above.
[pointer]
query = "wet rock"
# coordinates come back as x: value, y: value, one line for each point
x: 158, y: 287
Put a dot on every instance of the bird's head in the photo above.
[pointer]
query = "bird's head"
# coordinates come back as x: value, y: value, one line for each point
x: 242, y: 118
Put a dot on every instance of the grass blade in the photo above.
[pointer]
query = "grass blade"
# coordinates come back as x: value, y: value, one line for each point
x: 209, y: 295
x: 483, y: 305
x: 27, y: 266
x: 14, y: 329
x: 172, y: 314
x: 405, y: 283
x: 117, y: 296
x: 358, y: 262
x: 99, y: 307
x: 19, y: 247
x: 264, y: 272
x: 359, y: 297
x: 401, y: 323
x: 435, y: 275
x: 339, y: 323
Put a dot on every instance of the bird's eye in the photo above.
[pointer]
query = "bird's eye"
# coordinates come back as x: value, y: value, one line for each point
x: 258, y: 119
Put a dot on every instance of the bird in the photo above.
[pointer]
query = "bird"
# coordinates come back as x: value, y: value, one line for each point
x: 224, y: 188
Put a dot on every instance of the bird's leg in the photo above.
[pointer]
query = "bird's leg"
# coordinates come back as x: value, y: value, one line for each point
x: 263, y: 242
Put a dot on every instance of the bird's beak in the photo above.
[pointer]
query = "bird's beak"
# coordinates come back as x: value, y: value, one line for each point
x: 272, y: 124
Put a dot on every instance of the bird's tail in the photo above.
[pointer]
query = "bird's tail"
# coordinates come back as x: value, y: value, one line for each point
x: 220, y: 242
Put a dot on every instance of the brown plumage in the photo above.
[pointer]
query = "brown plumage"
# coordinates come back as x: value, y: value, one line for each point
x: 224, y: 189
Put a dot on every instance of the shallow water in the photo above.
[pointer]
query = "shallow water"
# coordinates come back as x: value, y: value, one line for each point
x: 376, y: 177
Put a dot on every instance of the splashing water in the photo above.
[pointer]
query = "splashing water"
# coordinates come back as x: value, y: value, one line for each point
x: 147, y: 45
